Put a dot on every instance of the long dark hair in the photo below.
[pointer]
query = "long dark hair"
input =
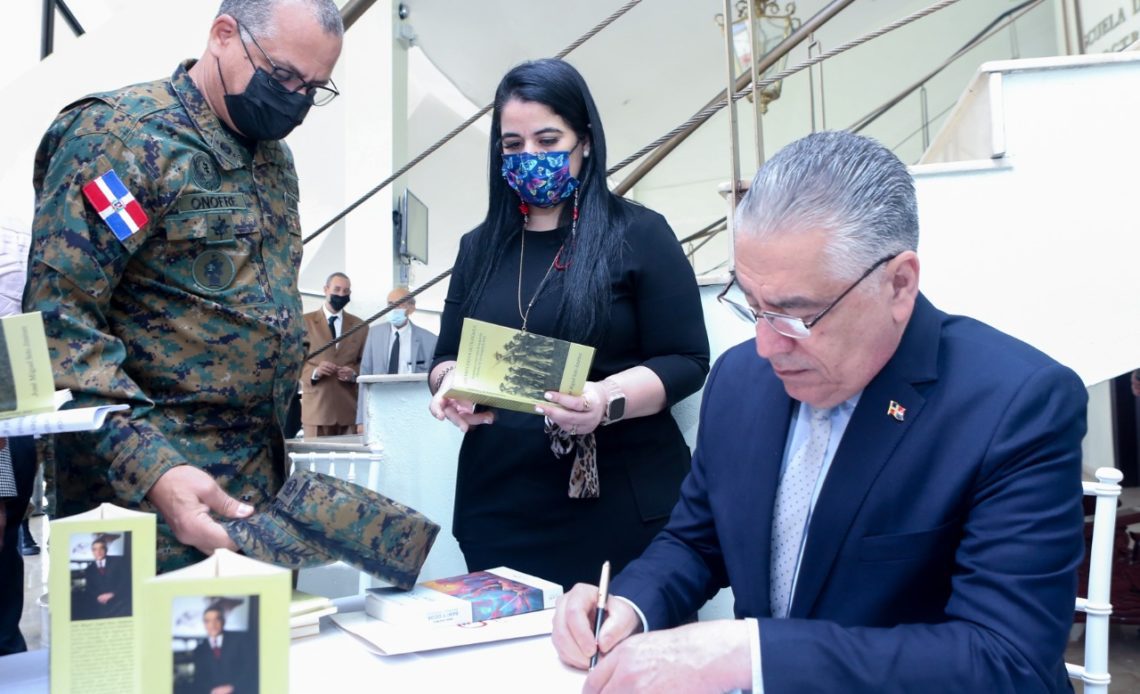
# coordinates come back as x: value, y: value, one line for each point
x: 584, y: 308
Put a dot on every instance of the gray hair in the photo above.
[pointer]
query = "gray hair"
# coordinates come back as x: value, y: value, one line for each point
x: 334, y: 275
x: 845, y: 184
x: 256, y: 16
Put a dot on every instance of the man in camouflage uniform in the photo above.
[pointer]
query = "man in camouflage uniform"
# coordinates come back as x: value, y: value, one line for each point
x: 194, y: 319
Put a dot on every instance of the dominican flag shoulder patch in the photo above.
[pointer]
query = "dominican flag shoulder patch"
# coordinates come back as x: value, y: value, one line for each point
x: 115, y: 204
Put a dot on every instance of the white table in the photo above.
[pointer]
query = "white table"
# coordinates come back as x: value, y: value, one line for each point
x: 335, y: 663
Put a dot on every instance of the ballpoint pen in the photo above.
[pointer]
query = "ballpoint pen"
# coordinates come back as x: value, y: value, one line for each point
x: 600, y: 614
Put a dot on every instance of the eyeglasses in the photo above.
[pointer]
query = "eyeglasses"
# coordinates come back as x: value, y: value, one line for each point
x: 790, y: 326
x: 319, y: 94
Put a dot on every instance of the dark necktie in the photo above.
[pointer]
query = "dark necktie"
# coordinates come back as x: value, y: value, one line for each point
x: 394, y: 357
x: 332, y: 326
x: 217, y: 653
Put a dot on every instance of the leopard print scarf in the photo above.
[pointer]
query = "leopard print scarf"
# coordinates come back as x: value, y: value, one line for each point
x: 584, y: 473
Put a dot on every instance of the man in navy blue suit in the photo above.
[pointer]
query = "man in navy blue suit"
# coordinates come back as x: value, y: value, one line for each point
x: 893, y: 493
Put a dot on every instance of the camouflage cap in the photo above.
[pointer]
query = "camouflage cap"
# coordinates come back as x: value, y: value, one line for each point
x: 316, y: 519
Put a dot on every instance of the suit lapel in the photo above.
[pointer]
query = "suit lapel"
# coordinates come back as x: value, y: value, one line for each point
x: 871, y: 437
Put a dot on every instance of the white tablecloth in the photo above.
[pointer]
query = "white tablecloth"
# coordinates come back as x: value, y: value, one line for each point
x: 335, y: 663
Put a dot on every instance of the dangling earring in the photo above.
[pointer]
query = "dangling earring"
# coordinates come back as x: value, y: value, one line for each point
x: 558, y: 263
x: 524, y: 209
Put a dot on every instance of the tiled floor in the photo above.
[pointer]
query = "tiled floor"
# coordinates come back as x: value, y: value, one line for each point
x: 1124, y: 641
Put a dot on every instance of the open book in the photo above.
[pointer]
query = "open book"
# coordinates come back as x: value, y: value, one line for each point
x: 26, y: 385
x: 511, y: 369
x: 28, y: 402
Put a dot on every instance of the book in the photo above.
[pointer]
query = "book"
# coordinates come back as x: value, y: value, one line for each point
x: 300, y: 632
x: 242, y: 600
x: 386, y: 639
x: 26, y: 385
x: 99, y: 561
x: 76, y: 419
x: 472, y: 597
x: 511, y: 369
x: 302, y: 603
x: 305, y: 612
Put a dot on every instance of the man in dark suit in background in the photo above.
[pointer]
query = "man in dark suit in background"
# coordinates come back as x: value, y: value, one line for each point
x: 328, y: 380
x: 225, y: 662
x: 108, y: 584
x: 396, y: 347
x: 893, y: 493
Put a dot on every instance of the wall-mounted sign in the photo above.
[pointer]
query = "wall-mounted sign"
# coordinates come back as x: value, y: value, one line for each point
x: 1109, y: 25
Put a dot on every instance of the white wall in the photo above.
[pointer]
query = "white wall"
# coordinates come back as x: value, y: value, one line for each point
x: 1044, y: 245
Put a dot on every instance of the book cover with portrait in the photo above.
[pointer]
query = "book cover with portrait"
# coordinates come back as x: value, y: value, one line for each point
x: 219, y: 625
x: 99, y: 560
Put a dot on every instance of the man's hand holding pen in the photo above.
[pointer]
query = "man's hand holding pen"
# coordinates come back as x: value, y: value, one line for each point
x: 705, y: 656
x: 574, y: 625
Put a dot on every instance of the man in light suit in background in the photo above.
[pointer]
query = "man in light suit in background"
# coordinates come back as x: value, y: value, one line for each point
x: 328, y: 380
x: 396, y: 347
x: 893, y: 493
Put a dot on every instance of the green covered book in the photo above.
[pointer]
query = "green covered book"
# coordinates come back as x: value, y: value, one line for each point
x: 511, y: 369
x: 221, y: 623
x: 26, y: 384
x: 99, y: 560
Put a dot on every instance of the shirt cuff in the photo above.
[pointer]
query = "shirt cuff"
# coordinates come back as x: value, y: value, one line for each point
x: 754, y: 647
x: 640, y: 614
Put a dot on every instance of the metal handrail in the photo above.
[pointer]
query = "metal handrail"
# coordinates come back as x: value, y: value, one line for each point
x: 770, y: 58
x: 989, y: 31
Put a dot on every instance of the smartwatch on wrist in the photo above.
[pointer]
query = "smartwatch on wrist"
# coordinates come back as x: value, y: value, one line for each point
x: 615, y: 402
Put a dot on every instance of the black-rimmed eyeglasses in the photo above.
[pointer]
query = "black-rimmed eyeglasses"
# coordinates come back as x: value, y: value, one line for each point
x: 319, y: 94
x: 790, y: 326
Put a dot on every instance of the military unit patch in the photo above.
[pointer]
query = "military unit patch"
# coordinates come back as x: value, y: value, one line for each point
x: 213, y: 271
x: 115, y: 204
x: 203, y: 172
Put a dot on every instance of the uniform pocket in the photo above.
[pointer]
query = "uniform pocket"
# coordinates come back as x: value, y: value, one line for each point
x: 215, y: 256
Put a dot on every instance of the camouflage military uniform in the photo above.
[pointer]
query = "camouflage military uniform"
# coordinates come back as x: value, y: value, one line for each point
x: 194, y: 320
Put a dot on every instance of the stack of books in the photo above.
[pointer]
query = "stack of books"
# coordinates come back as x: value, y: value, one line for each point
x: 305, y: 612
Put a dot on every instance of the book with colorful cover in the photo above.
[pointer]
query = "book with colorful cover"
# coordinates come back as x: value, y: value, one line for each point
x: 26, y: 384
x: 511, y: 369
x: 221, y: 622
x: 472, y: 597
x: 99, y: 561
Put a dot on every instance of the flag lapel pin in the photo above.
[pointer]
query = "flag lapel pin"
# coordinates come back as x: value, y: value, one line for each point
x: 896, y: 410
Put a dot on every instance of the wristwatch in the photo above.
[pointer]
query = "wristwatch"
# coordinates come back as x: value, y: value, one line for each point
x: 615, y: 402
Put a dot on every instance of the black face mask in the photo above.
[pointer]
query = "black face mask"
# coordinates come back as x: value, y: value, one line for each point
x: 338, y: 302
x: 265, y: 110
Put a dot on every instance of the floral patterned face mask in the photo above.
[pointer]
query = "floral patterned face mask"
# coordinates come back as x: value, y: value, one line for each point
x: 542, y: 179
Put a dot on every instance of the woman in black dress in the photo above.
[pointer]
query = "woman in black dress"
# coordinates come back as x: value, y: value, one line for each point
x: 591, y: 477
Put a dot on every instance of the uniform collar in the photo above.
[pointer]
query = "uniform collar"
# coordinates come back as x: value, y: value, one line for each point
x: 230, y: 153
